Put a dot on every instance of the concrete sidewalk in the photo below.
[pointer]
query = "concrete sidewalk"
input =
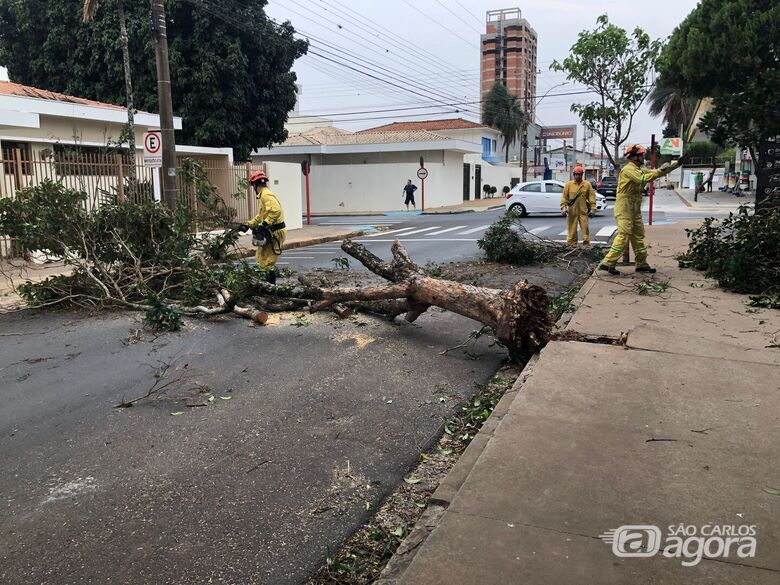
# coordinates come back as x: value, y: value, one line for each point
x: 16, y: 272
x: 715, y: 200
x: 678, y: 426
x: 469, y: 206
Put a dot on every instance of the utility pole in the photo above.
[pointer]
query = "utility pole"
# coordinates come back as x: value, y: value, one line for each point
x: 160, y: 37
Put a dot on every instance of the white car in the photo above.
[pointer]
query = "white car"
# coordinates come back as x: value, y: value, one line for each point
x: 541, y: 197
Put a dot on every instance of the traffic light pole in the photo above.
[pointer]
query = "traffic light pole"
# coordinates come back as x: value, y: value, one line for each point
x: 159, y: 34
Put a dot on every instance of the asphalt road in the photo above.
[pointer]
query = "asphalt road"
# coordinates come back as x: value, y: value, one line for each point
x: 321, y: 419
x: 453, y: 237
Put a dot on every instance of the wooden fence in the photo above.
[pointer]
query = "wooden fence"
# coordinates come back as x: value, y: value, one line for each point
x: 105, y: 180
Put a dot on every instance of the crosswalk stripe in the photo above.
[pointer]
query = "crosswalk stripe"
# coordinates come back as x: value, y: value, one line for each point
x: 564, y: 233
x: 390, y: 232
x: 299, y: 257
x: 472, y: 231
x: 540, y: 229
x: 421, y: 240
x: 457, y: 227
x: 435, y: 227
x: 606, y: 230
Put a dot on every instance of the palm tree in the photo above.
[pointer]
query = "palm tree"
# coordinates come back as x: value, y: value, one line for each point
x: 503, y: 111
x: 677, y: 108
x: 88, y: 14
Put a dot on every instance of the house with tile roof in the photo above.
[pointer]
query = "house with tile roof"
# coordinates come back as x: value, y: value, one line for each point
x: 38, y: 126
x: 365, y: 171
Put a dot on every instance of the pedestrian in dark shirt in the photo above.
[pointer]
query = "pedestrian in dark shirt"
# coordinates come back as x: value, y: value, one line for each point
x: 708, y: 182
x: 408, y: 192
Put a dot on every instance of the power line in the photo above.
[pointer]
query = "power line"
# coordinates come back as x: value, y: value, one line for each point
x: 437, y: 22
x: 458, y: 16
x: 467, y: 11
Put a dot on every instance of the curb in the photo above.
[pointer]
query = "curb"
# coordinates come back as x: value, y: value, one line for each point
x: 451, y: 484
x: 453, y: 212
x: 248, y: 252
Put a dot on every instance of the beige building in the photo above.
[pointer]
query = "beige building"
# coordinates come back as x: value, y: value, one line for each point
x: 509, y: 55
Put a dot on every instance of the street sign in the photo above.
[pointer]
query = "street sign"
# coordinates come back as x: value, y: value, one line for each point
x: 671, y: 146
x: 153, y: 148
x: 422, y: 173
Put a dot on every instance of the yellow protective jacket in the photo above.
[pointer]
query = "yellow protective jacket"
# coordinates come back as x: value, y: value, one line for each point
x: 270, y: 210
x: 587, y: 196
x: 631, y: 183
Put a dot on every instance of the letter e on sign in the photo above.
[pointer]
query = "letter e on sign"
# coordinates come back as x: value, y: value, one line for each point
x: 153, y: 148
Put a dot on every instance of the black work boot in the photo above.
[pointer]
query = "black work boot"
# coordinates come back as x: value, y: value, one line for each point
x: 271, y: 276
x: 611, y: 269
x: 645, y: 268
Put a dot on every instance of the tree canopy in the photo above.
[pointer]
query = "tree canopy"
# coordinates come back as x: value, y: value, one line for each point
x: 504, y: 112
x: 231, y: 76
x: 728, y: 50
x: 615, y: 66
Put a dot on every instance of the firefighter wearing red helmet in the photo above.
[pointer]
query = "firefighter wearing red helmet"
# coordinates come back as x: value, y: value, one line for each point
x: 628, y: 208
x: 578, y: 203
x: 268, y: 227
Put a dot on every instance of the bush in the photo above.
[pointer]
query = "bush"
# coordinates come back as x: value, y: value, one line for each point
x: 742, y: 252
x: 503, y: 243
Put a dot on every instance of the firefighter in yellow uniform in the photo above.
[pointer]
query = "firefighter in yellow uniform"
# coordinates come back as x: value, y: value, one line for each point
x: 578, y: 203
x: 628, y: 209
x: 270, y: 219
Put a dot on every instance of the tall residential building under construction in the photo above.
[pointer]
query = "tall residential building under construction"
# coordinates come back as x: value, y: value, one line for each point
x: 509, y: 56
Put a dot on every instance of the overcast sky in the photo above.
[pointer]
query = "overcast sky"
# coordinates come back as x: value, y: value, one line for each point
x: 431, y: 47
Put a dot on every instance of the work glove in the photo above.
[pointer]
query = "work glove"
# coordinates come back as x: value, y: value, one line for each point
x: 684, y: 159
x: 563, y: 212
x: 591, y: 214
x: 243, y: 228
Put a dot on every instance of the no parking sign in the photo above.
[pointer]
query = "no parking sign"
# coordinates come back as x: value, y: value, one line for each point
x: 153, y: 148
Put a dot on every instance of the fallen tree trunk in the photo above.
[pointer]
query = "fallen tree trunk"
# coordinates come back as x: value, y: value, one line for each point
x: 519, y: 317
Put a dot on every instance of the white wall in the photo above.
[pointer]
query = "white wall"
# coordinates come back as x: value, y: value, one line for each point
x: 286, y: 181
x: 494, y: 175
x: 373, y: 182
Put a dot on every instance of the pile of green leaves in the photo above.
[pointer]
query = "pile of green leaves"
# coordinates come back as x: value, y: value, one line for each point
x: 126, y: 254
x: 742, y: 252
x: 503, y: 243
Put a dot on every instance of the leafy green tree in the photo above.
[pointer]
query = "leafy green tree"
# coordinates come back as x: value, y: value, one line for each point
x: 88, y: 14
x: 728, y: 50
x: 230, y: 64
x: 615, y: 66
x: 504, y: 112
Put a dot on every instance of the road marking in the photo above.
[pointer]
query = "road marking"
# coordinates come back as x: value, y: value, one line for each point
x: 606, y: 230
x: 539, y: 230
x: 476, y: 229
x: 311, y: 252
x: 358, y: 222
x: 421, y: 240
x: 564, y: 233
x: 435, y: 227
x: 457, y: 227
x: 299, y: 257
x: 390, y: 232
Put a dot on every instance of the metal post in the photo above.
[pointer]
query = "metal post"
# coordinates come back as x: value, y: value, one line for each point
x: 308, y: 199
x: 249, y: 192
x: 120, y: 175
x: 652, y: 184
x: 159, y: 34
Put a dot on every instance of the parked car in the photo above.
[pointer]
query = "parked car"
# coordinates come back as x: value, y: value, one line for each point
x: 607, y: 186
x: 541, y: 197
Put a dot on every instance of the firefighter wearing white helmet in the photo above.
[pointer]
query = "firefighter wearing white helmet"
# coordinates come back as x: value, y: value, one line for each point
x: 578, y: 203
x: 268, y: 227
x: 628, y: 209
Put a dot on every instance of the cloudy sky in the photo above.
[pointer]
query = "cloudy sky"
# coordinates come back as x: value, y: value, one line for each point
x: 426, y: 53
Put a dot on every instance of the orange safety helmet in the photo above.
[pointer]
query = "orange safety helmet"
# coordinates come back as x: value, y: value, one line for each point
x: 635, y: 150
x: 257, y: 176
x: 578, y: 170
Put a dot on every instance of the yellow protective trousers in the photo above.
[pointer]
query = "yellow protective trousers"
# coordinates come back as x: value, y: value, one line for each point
x: 574, y: 217
x: 631, y: 229
x: 266, y: 256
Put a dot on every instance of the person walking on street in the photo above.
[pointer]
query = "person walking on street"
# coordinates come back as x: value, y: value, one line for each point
x: 268, y: 227
x: 408, y: 192
x: 628, y: 208
x: 578, y: 203
x: 708, y: 182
